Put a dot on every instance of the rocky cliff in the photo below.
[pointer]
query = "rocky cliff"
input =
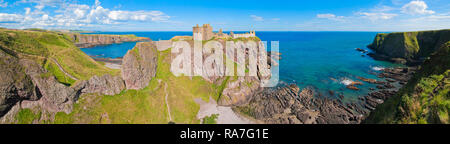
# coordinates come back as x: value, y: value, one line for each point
x: 426, y: 97
x: 139, y: 65
x: 28, y: 80
x: 408, y: 47
x: 91, y: 40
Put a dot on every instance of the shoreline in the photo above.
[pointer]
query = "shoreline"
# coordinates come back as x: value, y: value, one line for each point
x: 113, y: 63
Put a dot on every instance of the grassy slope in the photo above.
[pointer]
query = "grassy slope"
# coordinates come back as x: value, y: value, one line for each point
x: 41, y: 46
x: 426, y: 97
x: 146, y: 105
x: 131, y: 106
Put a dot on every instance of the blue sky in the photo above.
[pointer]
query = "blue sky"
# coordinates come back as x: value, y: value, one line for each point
x: 237, y: 15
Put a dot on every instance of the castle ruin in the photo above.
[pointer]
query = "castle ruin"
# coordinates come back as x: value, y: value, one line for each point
x: 206, y: 33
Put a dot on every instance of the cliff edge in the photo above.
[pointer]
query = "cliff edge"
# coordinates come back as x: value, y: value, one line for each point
x: 91, y: 40
x: 410, y: 48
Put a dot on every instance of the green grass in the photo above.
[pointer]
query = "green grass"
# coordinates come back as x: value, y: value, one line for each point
x: 27, y: 116
x: 211, y: 119
x: 60, y: 76
x: 146, y: 105
x: 39, y: 45
x: 425, y: 99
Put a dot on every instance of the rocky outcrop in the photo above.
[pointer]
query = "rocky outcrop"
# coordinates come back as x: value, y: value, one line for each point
x: 238, y: 92
x: 15, y: 85
x: 289, y: 105
x: 54, y: 96
x: 139, y: 65
x: 105, y: 85
x: 91, y: 40
x: 408, y: 47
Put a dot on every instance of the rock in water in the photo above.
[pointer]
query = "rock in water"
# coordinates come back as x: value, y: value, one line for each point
x: 139, y: 65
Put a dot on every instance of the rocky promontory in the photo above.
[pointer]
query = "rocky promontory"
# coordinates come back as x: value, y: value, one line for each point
x: 410, y: 48
x: 91, y: 40
x: 139, y: 65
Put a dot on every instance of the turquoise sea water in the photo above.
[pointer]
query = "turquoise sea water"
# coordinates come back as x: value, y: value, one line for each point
x: 323, y: 60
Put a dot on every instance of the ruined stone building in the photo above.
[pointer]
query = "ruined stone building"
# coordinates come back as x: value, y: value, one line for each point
x: 205, y: 32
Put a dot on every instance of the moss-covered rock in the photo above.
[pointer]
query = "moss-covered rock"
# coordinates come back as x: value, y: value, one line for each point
x: 410, y: 47
x: 426, y: 97
x: 139, y: 65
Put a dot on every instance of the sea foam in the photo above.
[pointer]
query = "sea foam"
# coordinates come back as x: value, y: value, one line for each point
x: 377, y: 68
x: 346, y: 82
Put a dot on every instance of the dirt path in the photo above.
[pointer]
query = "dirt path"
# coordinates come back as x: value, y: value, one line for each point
x: 167, y: 102
x: 60, y: 68
x: 226, y: 114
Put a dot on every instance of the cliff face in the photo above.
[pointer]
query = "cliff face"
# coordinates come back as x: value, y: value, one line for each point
x: 88, y: 40
x: 426, y: 97
x: 31, y: 78
x: 408, y: 47
x: 139, y: 65
x: 15, y: 85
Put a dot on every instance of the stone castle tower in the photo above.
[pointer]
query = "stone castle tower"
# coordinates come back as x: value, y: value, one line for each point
x: 202, y: 33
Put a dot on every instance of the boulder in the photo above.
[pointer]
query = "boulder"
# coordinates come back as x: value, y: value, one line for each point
x: 139, y: 65
x: 106, y: 85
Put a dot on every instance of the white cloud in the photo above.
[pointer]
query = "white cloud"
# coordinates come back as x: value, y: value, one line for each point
x: 41, y: 4
x: 76, y: 15
x: 138, y: 15
x: 3, y: 4
x: 326, y: 16
x: 330, y: 17
x: 378, y: 16
x: 10, y: 18
x: 257, y: 18
x: 416, y: 7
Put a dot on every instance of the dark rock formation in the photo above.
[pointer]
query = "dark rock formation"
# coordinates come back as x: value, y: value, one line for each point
x: 15, y: 85
x: 287, y: 105
x: 91, y: 40
x: 139, y: 65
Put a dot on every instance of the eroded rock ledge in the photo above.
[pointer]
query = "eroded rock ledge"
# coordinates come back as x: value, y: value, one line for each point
x: 289, y: 104
x: 91, y: 40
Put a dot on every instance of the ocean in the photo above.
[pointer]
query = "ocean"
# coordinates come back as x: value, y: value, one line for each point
x: 326, y: 61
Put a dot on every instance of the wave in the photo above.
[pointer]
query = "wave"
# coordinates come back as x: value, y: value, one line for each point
x: 378, y: 68
x: 346, y: 81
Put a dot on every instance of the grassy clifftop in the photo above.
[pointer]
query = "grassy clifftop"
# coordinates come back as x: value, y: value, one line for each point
x: 426, y: 97
x: 410, y: 45
x: 53, y: 50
